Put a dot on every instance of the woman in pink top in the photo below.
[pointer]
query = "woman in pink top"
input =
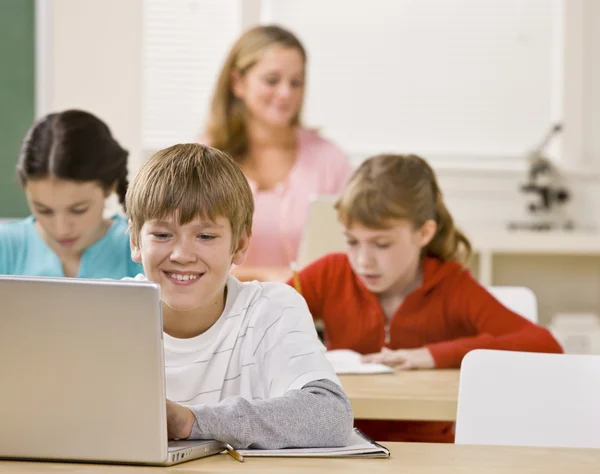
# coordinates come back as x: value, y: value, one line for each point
x: 255, y: 117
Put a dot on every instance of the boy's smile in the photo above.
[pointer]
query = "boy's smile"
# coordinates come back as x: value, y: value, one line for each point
x: 191, y: 262
x: 183, y: 278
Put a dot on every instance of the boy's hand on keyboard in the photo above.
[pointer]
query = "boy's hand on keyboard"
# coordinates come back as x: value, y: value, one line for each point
x: 180, y: 421
x: 402, y: 359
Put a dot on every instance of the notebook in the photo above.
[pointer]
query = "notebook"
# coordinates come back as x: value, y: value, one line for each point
x: 345, y: 361
x: 360, y: 446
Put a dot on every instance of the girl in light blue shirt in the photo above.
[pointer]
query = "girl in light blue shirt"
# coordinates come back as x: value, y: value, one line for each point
x: 69, y: 165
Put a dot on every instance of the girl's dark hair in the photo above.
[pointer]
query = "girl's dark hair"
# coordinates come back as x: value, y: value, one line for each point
x: 73, y: 145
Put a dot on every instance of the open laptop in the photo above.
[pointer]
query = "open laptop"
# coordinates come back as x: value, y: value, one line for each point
x: 82, y: 373
x: 322, y: 232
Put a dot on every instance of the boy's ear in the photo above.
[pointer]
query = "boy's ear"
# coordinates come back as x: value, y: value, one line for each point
x: 239, y: 255
x: 427, y: 232
x: 136, y: 253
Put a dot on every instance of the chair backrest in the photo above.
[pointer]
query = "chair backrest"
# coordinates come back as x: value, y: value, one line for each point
x: 322, y: 232
x: 519, y: 299
x: 529, y: 399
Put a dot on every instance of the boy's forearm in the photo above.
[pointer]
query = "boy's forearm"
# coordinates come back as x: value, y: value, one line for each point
x: 318, y: 415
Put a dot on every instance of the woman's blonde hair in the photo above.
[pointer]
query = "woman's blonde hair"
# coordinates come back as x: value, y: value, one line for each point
x: 391, y: 187
x: 226, y: 128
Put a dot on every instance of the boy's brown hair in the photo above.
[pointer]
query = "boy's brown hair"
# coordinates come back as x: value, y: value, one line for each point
x: 190, y: 180
x: 390, y: 187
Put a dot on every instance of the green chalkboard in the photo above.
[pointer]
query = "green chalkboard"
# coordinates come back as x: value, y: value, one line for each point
x: 17, y: 96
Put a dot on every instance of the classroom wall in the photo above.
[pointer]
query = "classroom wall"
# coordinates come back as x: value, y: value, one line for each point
x: 93, y: 60
x: 489, y: 197
x: 106, y: 59
x: 480, y: 193
x: 434, y: 77
x: 17, y: 97
x: 562, y: 283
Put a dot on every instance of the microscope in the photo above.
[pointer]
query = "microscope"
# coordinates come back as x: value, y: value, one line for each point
x: 546, y: 191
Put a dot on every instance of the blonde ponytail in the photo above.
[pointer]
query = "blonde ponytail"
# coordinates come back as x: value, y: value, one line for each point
x: 448, y: 243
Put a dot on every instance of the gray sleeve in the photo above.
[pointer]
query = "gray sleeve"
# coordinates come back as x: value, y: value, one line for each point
x: 317, y: 415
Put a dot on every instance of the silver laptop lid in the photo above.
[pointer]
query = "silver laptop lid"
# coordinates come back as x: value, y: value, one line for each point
x: 82, y: 370
x: 322, y: 232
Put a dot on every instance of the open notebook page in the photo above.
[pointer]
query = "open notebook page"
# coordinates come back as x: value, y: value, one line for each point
x: 358, y: 446
x: 345, y: 361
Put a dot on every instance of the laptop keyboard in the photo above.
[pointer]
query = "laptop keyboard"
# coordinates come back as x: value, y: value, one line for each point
x: 181, y: 444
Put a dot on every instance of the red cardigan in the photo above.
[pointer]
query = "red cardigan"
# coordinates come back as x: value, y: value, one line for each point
x: 450, y: 314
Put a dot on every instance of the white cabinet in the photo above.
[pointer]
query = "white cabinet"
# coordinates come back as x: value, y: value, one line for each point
x: 563, y: 269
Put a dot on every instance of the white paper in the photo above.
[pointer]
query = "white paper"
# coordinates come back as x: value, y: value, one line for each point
x: 345, y: 361
x: 358, y: 446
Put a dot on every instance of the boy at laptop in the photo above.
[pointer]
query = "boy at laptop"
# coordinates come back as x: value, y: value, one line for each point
x: 243, y: 363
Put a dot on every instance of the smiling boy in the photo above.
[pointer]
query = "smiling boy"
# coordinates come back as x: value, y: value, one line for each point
x: 243, y: 363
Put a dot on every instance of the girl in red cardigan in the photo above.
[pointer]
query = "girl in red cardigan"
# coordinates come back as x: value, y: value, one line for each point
x: 401, y: 294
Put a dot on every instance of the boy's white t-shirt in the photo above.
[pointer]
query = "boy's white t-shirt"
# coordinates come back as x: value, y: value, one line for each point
x: 263, y: 345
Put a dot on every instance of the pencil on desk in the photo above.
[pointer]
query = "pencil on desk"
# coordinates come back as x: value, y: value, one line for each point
x: 233, y: 453
x: 296, y: 278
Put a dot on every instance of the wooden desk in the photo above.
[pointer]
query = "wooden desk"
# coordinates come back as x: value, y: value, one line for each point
x: 411, y: 395
x: 407, y: 458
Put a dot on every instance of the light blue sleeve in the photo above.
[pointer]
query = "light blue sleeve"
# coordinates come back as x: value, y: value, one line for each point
x: 113, y: 253
x: 8, y: 250
x: 3, y: 257
x: 135, y: 269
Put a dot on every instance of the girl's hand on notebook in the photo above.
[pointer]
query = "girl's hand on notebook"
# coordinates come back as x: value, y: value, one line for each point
x: 402, y: 359
x: 180, y: 421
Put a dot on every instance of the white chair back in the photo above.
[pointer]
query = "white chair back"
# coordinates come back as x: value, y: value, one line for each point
x: 529, y: 399
x: 519, y: 299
